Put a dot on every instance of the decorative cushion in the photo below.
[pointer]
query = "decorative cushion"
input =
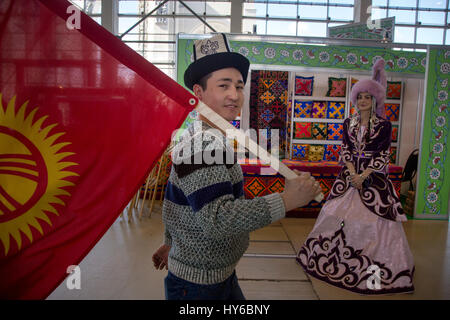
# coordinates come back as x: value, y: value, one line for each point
x: 335, y: 110
x: 393, y: 155
x: 302, y: 109
x: 332, y: 152
x: 319, y: 109
x: 335, y: 131
x: 300, y: 151
x: 354, y: 81
x: 302, y: 130
x: 394, y: 133
x: 319, y: 131
x: 304, y: 86
x: 315, y: 153
x: 392, y: 111
x: 394, y: 90
x: 336, y: 87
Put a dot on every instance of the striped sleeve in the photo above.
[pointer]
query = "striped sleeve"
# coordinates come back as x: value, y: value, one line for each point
x: 218, y: 210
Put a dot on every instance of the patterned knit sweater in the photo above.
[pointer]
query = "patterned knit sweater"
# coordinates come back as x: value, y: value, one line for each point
x: 206, y: 218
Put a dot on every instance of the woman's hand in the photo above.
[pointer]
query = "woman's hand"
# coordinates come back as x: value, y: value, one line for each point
x: 357, y: 180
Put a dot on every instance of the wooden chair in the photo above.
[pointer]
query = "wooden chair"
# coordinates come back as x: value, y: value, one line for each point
x: 155, y: 181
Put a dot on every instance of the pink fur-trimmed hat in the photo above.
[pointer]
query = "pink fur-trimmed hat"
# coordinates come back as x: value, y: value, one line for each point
x: 375, y: 86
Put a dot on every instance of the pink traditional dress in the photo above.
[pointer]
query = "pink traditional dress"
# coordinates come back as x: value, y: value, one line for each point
x: 358, y: 242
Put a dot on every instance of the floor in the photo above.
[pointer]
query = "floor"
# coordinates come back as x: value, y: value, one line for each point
x: 120, y: 266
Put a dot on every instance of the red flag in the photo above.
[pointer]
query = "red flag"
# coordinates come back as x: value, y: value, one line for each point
x: 83, y: 119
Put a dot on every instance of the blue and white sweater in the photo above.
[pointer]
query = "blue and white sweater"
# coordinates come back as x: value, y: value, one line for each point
x: 207, y: 220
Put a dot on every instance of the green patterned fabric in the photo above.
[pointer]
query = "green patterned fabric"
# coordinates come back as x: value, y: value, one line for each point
x: 319, y: 131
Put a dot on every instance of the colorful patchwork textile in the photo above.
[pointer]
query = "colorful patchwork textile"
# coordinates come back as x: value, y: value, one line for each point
x: 332, y: 152
x: 335, y: 131
x: 304, y: 86
x: 394, y: 133
x: 392, y: 111
x: 336, y: 87
x: 269, y: 103
x: 236, y: 123
x: 254, y: 186
x: 257, y: 184
x: 267, y: 115
x: 354, y: 81
x: 288, y: 127
x: 335, y: 110
x: 300, y: 151
x: 302, y: 109
x: 267, y: 97
x: 394, y: 90
x: 315, y: 153
x: 319, y: 109
x: 302, y: 130
x: 393, y: 155
x: 319, y: 131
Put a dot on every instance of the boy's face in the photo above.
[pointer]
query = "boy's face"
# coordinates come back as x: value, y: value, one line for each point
x: 224, y: 92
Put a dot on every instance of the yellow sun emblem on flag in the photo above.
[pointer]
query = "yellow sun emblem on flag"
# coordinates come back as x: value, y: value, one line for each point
x: 31, y: 173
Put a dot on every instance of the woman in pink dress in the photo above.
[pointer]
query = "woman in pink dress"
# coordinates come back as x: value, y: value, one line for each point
x: 358, y: 242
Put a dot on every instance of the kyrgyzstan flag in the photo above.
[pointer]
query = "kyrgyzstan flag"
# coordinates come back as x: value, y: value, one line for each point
x: 83, y: 119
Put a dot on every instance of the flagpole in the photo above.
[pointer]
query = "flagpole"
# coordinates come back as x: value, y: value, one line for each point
x: 248, y: 143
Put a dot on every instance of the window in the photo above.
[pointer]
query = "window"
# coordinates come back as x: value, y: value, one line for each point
x: 295, y: 18
x: 286, y: 28
x: 404, y: 34
x: 403, y: 16
x: 430, y: 35
x: 417, y: 21
x: 155, y: 37
x: 93, y: 8
x: 312, y: 12
x: 312, y: 29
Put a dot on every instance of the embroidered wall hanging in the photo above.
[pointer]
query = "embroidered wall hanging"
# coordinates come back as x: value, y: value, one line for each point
x: 332, y: 152
x: 319, y: 109
x: 335, y: 131
x: 336, y: 87
x: 302, y: 109
x: 300, y: 151
x: 304, y: 86
x: 394, y: 133
x: 315, y: 153
x: 392, y: 111
x: 268, y: 104
x: 319, y: 131
x: 394, y: 90
x: 302, y: 130
x: 335, y: 110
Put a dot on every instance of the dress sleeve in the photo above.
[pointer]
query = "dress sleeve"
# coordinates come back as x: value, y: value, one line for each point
x: 345, y: 154
x: 380, y: 158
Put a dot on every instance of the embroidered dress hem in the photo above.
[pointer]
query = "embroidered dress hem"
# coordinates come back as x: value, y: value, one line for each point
x: 352, y: 248
x: 356, y: 290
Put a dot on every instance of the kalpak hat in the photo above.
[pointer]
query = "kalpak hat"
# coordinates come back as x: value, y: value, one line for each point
x: 211, y: 55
